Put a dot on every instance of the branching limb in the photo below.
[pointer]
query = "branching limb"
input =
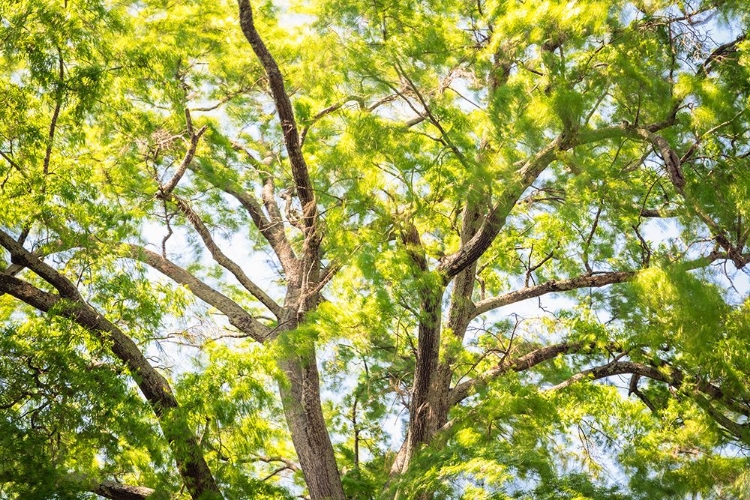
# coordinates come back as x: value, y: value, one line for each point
x: 495, y: 220
x: 154, y: 387
x: 222, y: 259
x: 167, y: 188
x: 285, y: 111
x: 237, y: 316
x: 272, y: 230
x: 525, y: 362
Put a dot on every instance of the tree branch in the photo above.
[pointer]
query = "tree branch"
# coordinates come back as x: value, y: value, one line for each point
x: 119, y: 491
x: 154, y: 387
x: 584, y: 281
x: 327, y: 111
x: 525, y: 362
x: 272, y: 230
x: 674, y: 377
x: 286, y: 115
x: 237, y: 316
x: 222, y: 259
x: 167, y: 189
x: 495, y: 220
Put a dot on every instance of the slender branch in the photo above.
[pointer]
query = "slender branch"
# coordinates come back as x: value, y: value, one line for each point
x: 272, y: 230
x: 227, y: 97
x: 236, y: 315
x: 584, y: 281
x: 286, y: 115
x: 55, y: 113
x: 224, y: 261
x: 327, y: 111
x: 167, y: 188
x: 525, y: 362
x: 693, y: 147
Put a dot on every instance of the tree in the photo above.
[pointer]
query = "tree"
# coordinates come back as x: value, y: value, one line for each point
x: 378, y: 190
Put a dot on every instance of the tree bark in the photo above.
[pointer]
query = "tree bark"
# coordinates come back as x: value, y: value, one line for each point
x: 300, y: 394
x: 119, y: 491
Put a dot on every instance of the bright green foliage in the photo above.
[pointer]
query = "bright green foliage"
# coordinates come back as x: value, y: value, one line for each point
x: 546, y: 118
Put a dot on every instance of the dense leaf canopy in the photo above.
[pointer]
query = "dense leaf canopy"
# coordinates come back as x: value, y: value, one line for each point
x: 374, y: 249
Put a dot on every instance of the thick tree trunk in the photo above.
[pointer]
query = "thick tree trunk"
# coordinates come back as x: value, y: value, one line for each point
x: 422, y: 423
x: 300, y: 393
x: 431, y: 392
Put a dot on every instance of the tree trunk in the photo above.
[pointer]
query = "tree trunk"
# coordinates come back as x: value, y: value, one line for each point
x: 300, y: 394
x: 422, y: 422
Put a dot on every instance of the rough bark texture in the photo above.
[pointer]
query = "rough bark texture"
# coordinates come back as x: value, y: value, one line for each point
x: 300, y: 394
x: 301, y: 391
x: 421, y: 414
x: 118, y: 491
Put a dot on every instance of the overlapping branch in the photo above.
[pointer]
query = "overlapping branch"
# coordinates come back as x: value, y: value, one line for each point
x: 155, y: 388
x: 522, y: 363
x: 236, y: 315
x: 222, y: 259
x: 285, y: 111
x: 272, y: 230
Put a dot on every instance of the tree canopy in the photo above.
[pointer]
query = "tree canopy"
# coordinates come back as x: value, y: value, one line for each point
x: 374, y: 249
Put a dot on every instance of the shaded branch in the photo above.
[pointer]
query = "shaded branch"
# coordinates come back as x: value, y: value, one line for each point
x: 118, y: 491
x: 719, y: 53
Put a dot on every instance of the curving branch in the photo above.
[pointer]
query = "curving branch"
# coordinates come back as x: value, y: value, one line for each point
x: 285, y: 111
x: 272, y: 230
x: 167, y: 188
x: 584, y: 281
x: 189, y: 458
x: 237, y: 316
x: 489, y: 229
x: 222, y: 259
x: 697, y: 389
x: 522, y: 363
